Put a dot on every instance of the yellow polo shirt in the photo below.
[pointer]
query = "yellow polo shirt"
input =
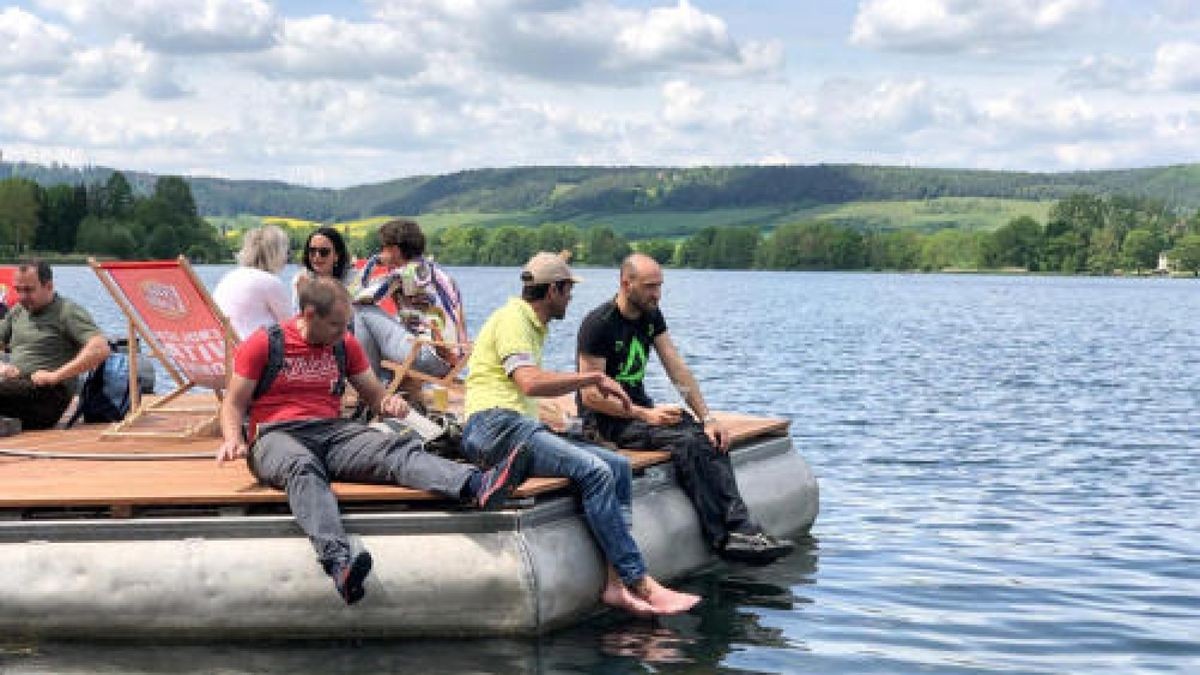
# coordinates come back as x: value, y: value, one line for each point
x: 511, y: 337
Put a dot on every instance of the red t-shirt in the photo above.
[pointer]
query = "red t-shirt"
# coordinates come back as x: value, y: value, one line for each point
x: 304, y: 387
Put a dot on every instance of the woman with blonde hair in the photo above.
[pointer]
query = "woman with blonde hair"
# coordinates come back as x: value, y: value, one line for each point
x: 253, y: 295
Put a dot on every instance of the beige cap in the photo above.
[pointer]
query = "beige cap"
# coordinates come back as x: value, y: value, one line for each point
x: 546, y: 268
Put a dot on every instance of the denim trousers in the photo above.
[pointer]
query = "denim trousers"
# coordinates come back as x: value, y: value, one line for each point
x: 604, y: 478
x: 302, y: 457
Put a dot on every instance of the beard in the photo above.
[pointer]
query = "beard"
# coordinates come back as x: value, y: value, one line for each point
x: 643, y: 305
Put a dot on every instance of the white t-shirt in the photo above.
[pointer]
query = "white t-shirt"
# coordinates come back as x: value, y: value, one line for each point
x: 251, y: 299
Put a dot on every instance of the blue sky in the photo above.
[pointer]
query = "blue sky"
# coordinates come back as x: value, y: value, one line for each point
x: 344, y: 93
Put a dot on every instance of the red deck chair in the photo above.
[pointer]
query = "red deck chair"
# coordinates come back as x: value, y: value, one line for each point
x: 7, y: 295
x: 169, y: 308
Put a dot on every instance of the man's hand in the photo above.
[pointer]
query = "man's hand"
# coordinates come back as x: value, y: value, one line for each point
x: 717, y: 433
x: 609, y: 388
x: 9, y: 372
x: 44, y: 378
x: 394, y: 405
x: 661, y: 415
x: 231, y: 450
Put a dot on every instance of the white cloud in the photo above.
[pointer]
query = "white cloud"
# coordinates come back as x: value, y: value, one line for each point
x: 585, y: 41
x: 883, y: 114
x: 1177, y: 67
x: 957, y: 26
x: 101, y: 70
x: 69, y: 125
x: 682, y: 103
x: 179, y: 26
x: 1104, y: 71
x: 326, y: 47
x: 29, y: 45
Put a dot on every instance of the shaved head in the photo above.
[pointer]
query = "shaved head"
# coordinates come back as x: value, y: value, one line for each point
x: 641, y: 285
x: 636, y: 265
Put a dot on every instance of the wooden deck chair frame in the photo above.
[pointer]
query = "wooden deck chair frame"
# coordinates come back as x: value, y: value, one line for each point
x: 139, y: 330
x: 405, y: 369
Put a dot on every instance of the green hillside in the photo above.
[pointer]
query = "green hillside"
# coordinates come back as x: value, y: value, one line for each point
x: 671, y: 202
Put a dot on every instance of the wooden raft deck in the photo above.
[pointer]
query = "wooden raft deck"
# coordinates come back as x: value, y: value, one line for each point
x: 122, y: 486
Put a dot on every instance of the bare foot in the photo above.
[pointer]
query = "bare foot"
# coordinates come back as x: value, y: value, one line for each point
x: 617, y: 594
x: 663, y: 599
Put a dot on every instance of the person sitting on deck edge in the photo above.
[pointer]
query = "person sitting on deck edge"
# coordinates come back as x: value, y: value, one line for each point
x: 53, y: 341
x: 505, y: 373
x: 616, y: 339
x: 300, y: 444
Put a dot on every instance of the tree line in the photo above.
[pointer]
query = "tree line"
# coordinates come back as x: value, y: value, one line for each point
x: 107, y: 219
x: 1083, y: 233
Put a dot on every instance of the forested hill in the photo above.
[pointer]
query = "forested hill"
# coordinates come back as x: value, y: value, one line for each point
x: 570, y: 191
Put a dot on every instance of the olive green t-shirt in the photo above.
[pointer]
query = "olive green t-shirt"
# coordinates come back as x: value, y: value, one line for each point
x: 47, y: 339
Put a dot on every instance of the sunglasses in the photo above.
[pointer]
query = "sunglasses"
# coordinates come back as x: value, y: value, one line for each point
x: 320, y: 251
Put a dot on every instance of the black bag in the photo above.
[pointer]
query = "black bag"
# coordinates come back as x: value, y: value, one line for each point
x: 104, y: 396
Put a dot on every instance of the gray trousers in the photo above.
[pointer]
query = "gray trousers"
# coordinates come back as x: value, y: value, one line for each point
x: 383, y: 336
x: 302, y: 458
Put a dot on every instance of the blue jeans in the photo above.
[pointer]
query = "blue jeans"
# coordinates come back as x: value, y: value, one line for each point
x: 604, y: 478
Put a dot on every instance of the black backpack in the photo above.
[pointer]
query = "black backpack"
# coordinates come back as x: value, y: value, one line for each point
x: 275, y: 363
x: 104, y: 395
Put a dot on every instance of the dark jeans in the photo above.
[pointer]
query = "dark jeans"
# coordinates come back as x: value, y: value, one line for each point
x: 302, y: 457
x: 604, y: 478
x: 36, y: 407
x: 704, y: 472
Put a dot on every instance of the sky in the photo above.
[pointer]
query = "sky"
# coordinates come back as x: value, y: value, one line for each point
x: 332, y: 94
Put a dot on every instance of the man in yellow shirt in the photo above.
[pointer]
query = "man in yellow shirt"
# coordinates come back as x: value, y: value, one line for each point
x: 505, y: 374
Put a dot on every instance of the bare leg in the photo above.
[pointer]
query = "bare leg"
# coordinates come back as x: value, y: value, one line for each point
x: 663, y: 599
x: 617, y: 594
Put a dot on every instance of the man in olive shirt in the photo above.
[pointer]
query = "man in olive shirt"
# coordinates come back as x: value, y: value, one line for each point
x: 53, y: 340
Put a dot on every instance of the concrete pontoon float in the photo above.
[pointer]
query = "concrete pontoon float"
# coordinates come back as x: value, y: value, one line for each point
x: 179, y: 549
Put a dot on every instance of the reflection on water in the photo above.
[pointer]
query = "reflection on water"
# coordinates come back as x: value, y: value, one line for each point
x: 1008, y: 481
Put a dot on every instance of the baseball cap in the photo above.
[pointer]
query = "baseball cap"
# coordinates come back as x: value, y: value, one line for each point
x: 547, y: 268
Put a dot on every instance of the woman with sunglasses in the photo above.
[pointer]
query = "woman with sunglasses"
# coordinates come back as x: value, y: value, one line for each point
x: 253, y: 295
x: 324, y: 255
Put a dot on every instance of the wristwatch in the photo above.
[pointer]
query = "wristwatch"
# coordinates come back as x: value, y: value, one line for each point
x: 709, y: 419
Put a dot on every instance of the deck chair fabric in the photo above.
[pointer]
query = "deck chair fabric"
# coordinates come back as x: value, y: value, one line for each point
x: 169, y: 308
x: 8, y: 295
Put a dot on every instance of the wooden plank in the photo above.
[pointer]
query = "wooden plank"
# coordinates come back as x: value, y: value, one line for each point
x: 47, y: 483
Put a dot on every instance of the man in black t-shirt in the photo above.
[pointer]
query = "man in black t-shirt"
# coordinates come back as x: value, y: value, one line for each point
x: 617, y: 338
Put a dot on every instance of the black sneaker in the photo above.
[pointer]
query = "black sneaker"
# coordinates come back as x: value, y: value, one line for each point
x: 759, y: 548
x: 349, y: 577
x: 498, y: 482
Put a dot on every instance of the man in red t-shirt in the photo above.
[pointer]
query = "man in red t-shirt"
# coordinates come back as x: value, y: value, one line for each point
x: 300, y: 444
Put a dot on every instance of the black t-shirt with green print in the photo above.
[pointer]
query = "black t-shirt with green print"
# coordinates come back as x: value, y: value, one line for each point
x: 625, y: 346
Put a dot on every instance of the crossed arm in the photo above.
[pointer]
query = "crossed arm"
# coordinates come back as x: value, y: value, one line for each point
x: 91, y: 354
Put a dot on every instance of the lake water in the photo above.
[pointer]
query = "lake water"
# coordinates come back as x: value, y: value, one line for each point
x: 1008, y: 471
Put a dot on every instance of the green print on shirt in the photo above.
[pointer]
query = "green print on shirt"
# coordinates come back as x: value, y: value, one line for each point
x: 634, y: 368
